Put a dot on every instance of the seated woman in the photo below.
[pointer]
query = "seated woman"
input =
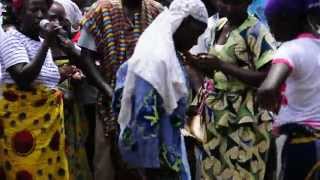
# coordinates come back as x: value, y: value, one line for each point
x: 152, y: 94
x: 240, y: 50
x: 293, y: 85
x: 32, y: 134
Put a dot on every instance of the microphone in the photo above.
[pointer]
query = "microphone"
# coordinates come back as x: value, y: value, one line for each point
x: 45, y: 22
x: 61, y: 36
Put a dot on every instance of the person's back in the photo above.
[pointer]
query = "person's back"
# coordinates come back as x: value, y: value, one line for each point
x: 110, y: 31
x: 302, y: 98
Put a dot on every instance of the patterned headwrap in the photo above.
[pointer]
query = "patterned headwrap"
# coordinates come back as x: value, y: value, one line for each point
x: 17, y: 5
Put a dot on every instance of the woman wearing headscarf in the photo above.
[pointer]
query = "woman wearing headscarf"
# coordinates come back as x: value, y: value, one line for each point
x: 238, y: 132
x: 293, y: 85
x: 32, y: 138
x: 73, y: 14
x: 152, y: 94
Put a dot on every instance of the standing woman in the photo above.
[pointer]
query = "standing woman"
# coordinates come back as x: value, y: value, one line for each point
x: 32, y: 139
x: 240, y: 50
x: 294, y: 76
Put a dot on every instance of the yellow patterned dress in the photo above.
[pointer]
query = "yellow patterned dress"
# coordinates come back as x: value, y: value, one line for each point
x: 238, y: 131
x: 32, y: 140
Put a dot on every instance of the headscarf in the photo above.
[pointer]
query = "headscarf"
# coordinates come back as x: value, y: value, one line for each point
x: 290, y: 7
x: 155, y: 59
x: 18, y: 4
x: 296, y: 8
x: 287, y: 7
x: 73, y: 12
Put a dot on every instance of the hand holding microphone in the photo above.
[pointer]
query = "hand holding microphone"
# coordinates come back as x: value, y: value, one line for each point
x: 55, y: 33
x: 49, y: 30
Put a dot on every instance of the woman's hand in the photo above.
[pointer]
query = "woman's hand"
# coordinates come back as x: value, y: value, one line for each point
x: 50, y: 33
x: 269, y: 98
x: 203, y: 62
x: 72, y: 72
x: 269, y: 93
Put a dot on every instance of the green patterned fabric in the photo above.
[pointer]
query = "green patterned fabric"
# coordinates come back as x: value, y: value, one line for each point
x: 238, y: 131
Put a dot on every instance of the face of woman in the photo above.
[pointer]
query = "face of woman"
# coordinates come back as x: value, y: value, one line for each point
x: 57, y: 15
x: 284, y: 29
x: 187, y: 34
x: 231, y: 9
x: 32, y: 13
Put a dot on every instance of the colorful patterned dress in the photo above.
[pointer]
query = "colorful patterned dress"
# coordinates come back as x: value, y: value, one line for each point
x: 116, y: 36
x: 32, y: 133
x: 238, y: 131
x: 152, y: 139
x: 76, y: 126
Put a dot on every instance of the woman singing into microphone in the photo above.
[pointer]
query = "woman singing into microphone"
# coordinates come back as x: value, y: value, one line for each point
x: 32, y: 134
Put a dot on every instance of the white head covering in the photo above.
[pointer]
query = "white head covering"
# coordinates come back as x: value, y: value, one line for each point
x: 74, y: 14
x: 155, y: 59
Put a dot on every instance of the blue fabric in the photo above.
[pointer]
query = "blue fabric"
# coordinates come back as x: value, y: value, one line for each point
x: 257, y: 8
x: 152, y: 138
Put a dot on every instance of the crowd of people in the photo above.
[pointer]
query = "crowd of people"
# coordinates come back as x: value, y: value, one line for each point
x: 159, y: 90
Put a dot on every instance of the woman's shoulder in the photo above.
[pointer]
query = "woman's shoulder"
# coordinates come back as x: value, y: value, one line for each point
x: 12, y: 37
x: 298, y: 46
x: 256, y: 27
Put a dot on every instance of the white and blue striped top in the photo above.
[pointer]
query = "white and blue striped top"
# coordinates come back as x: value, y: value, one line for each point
x: 17, y: 48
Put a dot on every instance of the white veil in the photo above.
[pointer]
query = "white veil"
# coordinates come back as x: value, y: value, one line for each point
x: 155, y: 60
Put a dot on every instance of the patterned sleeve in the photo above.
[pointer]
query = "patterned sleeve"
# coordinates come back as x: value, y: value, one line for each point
x: 13, y: 52
x: 93, y: 19
x: 262, y: 45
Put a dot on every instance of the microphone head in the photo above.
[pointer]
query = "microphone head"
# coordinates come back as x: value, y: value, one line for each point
x: 43, y: 23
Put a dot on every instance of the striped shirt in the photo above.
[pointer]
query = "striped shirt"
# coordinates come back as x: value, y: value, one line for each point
x: 17, y: 48
x: 115, y: 34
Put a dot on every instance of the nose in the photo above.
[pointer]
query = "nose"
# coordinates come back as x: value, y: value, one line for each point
x: 55, y: 20
x: 40, y: 14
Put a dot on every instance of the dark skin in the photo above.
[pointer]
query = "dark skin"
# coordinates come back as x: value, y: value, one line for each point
x: 211, y: 7
x: 57, y: 14
x: 192, y: 29
x: 236, y: 14
x: 30, y: 15
x: 269, y: 91
x: 87, y: 56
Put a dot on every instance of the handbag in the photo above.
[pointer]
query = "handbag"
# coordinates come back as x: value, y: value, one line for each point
x: 196, y: 126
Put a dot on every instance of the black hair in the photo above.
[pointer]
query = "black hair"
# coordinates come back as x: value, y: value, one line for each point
x: 16, y: 13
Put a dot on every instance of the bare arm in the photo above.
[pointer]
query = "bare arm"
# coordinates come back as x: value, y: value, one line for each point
x: 253, y: 78
x: 25, y: 73
x: 83, y: 58
x: 86, y: 64
x: 207, y: 64
x: 268, y: 92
